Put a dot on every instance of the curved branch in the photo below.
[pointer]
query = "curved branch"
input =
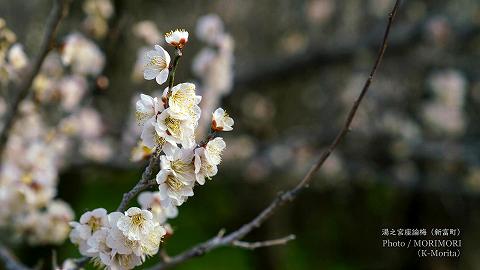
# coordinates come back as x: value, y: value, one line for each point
x: 230, y: 239
x: 58, y: 12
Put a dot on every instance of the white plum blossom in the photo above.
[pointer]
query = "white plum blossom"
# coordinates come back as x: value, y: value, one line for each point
x: 150, y: 137
x: 97, y: 246
x: 203, y: 168
x: 95, y: 219
x: 123, y: 240
x: 156, y: 63
x: 146, y: 108
x: 136, y: 223
x: 177, y: 38
x: 175, y: 128
x: 162, y: 209
x: 90, y: 222
x: 125, y: 261
x: 116, y: 240
x: 214, y: 149
x: 184, y: 102
x: 177, y: 175
x: 221, y: 121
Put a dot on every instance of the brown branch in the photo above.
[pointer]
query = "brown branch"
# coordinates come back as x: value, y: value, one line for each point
x: 290, y: 195
x: 59, y: 10
x: 10, y: 261
x: 267, y: 243
x: 147, y: 181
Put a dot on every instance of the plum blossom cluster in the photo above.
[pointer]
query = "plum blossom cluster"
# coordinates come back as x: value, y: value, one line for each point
x: 168, y: 125
x: 117, y: 240
x: 32, y: 160
x: 212, y: 66
x: 28, y: 179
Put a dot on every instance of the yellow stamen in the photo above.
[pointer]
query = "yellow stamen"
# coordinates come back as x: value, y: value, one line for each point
x: 173, y: 126
x: 94, y: 223
x: 173, y: 183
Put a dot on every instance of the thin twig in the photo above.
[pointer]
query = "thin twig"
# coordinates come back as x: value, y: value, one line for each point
x: 290, y: 195
x: 173, y: 68
x: 59, y: 10
x: 10, y: 261
x: 145, y: 182
x: 164, y: 255
x: 267, y: 243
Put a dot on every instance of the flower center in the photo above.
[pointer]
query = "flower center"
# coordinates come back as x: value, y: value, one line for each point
x: 180, y: 167
x: 157, y: 62
x: 94, y: 223
x: 137, y: 220
x: 173, y: 126
x: 184, y: 97
x: 173, y: 183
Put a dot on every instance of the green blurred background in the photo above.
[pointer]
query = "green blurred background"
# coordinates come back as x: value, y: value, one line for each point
x: 298, y: 66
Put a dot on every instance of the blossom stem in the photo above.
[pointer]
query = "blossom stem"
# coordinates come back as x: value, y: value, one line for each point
x: 145, y: 182
x: 173, y: 68
x: 211, y: 136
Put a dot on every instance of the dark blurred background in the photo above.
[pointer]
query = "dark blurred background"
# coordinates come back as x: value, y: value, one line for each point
x: 411, y: 160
